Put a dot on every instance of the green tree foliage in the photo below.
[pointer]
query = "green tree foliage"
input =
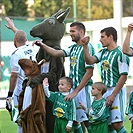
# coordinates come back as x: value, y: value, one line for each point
x: 127, y: 8
x: 102, y: 9
x: 99, y: 9
x: 15, y: 7
x: 7, y: 6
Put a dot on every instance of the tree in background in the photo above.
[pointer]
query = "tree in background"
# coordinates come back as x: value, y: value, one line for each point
x: 15, y: 7
x: 100, y: 9
x: 5, y: 6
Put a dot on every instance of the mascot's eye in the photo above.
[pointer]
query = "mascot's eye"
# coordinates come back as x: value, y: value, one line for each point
x: 51, y: 21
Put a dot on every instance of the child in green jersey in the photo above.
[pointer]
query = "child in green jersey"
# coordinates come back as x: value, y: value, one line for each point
x: 98, y: 113
x: 65, y: 111
x: 129, y: 110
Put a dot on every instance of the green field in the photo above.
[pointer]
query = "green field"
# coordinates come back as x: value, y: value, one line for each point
x: 6, y: 126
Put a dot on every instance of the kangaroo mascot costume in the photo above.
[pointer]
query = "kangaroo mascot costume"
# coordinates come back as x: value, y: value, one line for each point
x: 51, y: 31
x: 32, y: 100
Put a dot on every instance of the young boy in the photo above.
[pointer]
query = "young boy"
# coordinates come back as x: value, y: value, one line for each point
x: 98, y: 113
x: 65, y: 111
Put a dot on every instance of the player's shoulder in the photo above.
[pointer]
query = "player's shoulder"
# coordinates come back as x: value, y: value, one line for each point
x: 14, y: 52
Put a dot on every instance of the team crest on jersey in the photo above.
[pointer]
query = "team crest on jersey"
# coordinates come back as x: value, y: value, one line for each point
x: 73, y: 60
x: 59, y: 112
x: 105, y: 65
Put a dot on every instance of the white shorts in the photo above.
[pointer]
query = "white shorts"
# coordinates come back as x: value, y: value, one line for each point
x: 117, y: 110
x: 84, y: 96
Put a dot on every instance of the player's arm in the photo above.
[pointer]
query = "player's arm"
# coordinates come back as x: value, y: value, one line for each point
x: 13, y: 81
x: 87, y: 76
x: 88, y: 58
x: 126, y: 45
x: 110, y: 99
x: 10, y: 24
x: 50, y: 50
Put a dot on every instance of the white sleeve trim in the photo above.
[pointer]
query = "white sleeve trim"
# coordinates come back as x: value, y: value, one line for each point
x: 70, y: 123
x: 46, y: 91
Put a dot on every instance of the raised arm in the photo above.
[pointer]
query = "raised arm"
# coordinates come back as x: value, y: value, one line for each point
x: 88, y: 59
x: 126, y: 45
x: 10, y: 24
x: 50, y: 50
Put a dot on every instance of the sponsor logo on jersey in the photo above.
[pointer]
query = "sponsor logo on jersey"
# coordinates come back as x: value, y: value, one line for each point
x: 59, y: 112
x: 73, y: 61
x: 105, y: 65
x: 114, y: 108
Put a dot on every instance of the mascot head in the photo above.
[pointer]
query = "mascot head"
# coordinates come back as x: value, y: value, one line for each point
x: 52, y: 28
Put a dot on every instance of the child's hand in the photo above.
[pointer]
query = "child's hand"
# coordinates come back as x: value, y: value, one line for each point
x: 68, y: 129
x: 45, y: 82
x: 82, y: 106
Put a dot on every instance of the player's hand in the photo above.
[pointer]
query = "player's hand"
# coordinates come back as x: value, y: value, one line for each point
x: 130, y: 27
x: 82, y: 106
x: 70, y: 96
x: 85, y: 40
x: 10, y: 24
x: 37, y: 42
x: 109, y: 100
x: 9, y: 105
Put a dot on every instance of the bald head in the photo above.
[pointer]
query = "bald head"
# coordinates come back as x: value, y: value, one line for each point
x: 20, y: 37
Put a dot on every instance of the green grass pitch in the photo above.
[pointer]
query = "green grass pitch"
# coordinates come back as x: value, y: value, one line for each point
x: 7, y: 126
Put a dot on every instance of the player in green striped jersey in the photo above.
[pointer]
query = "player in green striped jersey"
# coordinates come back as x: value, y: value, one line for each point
x: 129, y: 51
x: 114, y: 71
x: 80, y: 72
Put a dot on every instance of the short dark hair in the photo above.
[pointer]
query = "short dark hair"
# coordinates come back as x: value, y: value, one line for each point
x: 79, y: 25
x: 110, y: 31
x: 68, y: 79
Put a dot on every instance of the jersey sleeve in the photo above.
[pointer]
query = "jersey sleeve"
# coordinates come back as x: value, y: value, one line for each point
x: 98, y: 55
x: 123, y: 63
x: 68, y: 50
x: 14, y: 63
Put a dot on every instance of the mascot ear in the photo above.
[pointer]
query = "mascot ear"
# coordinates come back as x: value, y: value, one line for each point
x: 58, y: 13
x: 62, y: 15
x: 41, y: 62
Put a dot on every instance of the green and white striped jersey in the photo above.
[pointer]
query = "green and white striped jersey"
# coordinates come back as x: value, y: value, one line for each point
x: 113, y: 64
x: 98, y: 112
x: 77, y: 63
x: 61, y: 108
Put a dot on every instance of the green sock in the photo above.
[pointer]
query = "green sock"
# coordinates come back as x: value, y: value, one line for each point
x: 78, y: 129
x: 88, y: 129
x: 122, y: 130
